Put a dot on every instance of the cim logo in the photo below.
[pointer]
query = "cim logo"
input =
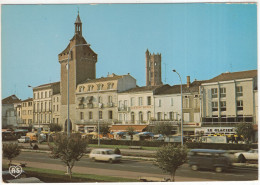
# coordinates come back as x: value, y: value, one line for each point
x: 15, y: 170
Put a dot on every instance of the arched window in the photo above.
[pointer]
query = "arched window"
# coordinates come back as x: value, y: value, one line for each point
x: 141, y: 117
x: 132, y: 117
x: 148, y: 115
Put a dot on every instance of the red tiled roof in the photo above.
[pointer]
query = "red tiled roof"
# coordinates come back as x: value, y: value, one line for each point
x: 11, y: 100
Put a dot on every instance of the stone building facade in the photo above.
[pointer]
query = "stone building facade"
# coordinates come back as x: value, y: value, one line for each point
x: 97, y: 101
x: 42, y: 104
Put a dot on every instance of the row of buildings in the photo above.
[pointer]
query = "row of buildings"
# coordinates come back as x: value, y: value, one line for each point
x: 213, y: 106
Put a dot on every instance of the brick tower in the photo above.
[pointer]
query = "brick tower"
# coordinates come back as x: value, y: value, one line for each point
x: 82, y: 67
x: 153, y: 69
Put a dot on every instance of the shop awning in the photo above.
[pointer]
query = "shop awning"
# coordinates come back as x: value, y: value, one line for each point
x: 123, y: 128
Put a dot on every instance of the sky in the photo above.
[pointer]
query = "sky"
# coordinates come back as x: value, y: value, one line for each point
x: 199, y: 40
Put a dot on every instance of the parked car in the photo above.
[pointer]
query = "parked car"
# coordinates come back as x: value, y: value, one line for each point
x: 217, y: 160
x: 24, y: 139
x: 251, y: 155
x: 104, y: 155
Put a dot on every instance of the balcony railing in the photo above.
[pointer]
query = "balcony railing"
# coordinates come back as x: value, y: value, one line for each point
x: 173, y: 123
x: 124, y: 109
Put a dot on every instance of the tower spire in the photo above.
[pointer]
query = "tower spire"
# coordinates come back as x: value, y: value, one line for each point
x: 78, y: 25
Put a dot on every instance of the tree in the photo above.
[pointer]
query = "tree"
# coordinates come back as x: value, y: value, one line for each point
x: 246, y: 130
x: 169, y: 158
x: 163, y: 128
x: 68, y: 149
x: 104, y: 129
x: 55, y: 127
x: 11, y: 151
x: 130, y: 131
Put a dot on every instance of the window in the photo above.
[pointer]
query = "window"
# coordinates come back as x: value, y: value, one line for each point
x: 41, y: 106
x: 223, y: 105
x: 109, y: 99
x: 57, y: 107
x: 81, y: 115
x: 239, y: 90
x: 132, y: 117
x: 214, y: 93
x: 132, y: 102
x: 99, y: 99
x: 100, y: 87
x: 41, y: 94
x: 149, y: 100
x: 100, y: 114
x: 140, y: 101
x: 49, y: 93
x: 53, y: 120
x: 186, y: 102
x: 125, y: 103
x: 81, y: 89
x: 240, y: 105
x: 45, y: 94
x: 148, y: 115
x: 141, y: 116
x: 110, y: 114
x: 57, y: 120
x: 110, y: 85
x: 196, y: 102
x: 45, y: 108
x: 57, y: 99
x: 159, y: 116
x: 171, y: 115
x: 223, y: 92
x: 160, y: 103
x: 171, y: 101
x: 34, y: 95
x: 214, y: 106
x: 90, y: 87
x: 90, y: 115
x: 50, y: 106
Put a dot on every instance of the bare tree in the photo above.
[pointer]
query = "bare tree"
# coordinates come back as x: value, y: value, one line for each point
x: 11, y: 151
x: 68, y: 149
x: 169, y: 158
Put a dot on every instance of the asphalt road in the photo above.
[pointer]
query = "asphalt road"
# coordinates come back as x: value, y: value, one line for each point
x: 235, y: 174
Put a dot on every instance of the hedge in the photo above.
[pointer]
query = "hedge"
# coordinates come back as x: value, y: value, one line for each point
x: 223, y: 146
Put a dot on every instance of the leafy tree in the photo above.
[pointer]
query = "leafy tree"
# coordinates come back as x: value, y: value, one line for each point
x: 246, y: 130
x: 104, y: 129
x: 55, y: 127
x: 130, y: 131
x: 163, y: 128
x: 68, y: 149
x: 11, y: 151
x: 169, y: 158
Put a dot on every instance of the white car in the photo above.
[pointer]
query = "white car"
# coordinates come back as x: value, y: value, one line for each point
x: 104, y: 155
x: 24, y: 139
x: 251, y: 155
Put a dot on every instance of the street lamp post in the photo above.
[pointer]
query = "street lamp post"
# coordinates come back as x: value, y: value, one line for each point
x: 68, y: 120
x: 181, y: 108
x: 39, y: 129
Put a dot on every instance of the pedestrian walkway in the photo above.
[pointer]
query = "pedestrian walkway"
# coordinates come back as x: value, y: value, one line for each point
x: 105, y: 172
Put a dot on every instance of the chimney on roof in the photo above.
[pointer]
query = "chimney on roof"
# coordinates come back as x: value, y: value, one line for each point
x: 188, y: 81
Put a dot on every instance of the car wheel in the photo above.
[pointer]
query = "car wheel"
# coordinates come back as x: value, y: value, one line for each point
x: 93, y: 159
x: 241, y: 159
x: 218, y: 169
x: 110, y: 161
x: 194, y: 167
